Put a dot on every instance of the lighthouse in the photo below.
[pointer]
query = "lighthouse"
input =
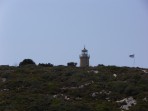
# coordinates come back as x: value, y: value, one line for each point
x: 84, y: 58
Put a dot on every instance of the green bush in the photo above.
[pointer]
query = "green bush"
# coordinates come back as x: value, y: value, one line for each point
x: 27, y: 62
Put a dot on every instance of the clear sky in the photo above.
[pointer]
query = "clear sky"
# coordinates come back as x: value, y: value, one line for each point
x: 55, y: 31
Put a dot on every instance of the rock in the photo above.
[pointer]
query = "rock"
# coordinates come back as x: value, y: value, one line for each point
x: 145, y: 99
x: 145, y: 71
x: 115, y: 75
x: 129, y: 102
x: 82, y: 86
x: 4, y: 79
x: 66, y: 98
x: 94, y: 94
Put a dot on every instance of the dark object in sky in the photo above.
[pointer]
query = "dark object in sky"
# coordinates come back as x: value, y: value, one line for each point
x: 27, y: 62
x: 132, y: 56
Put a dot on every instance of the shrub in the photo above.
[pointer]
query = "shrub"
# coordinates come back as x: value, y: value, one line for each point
x: 27, y: 62
x: 72, y: 64
x: 46, y: 65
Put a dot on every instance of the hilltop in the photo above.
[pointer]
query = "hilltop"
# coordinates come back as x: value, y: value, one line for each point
x: 59, y: 88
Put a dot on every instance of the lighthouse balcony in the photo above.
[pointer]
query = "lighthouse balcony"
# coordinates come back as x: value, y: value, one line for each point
x: 85, y: 55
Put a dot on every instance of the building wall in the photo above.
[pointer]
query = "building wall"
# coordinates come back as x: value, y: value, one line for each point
x: 84, y: 61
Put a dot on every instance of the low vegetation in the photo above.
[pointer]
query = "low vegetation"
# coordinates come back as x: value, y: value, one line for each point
x: 61, y: 88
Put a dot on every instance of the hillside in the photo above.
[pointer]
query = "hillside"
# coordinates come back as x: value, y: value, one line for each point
x: 103, y: 88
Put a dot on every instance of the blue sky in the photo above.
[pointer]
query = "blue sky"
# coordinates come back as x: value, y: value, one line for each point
x: 55, y: 31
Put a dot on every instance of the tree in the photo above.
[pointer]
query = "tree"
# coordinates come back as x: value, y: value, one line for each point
x: 72, y: 64
x: 27, y: 62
